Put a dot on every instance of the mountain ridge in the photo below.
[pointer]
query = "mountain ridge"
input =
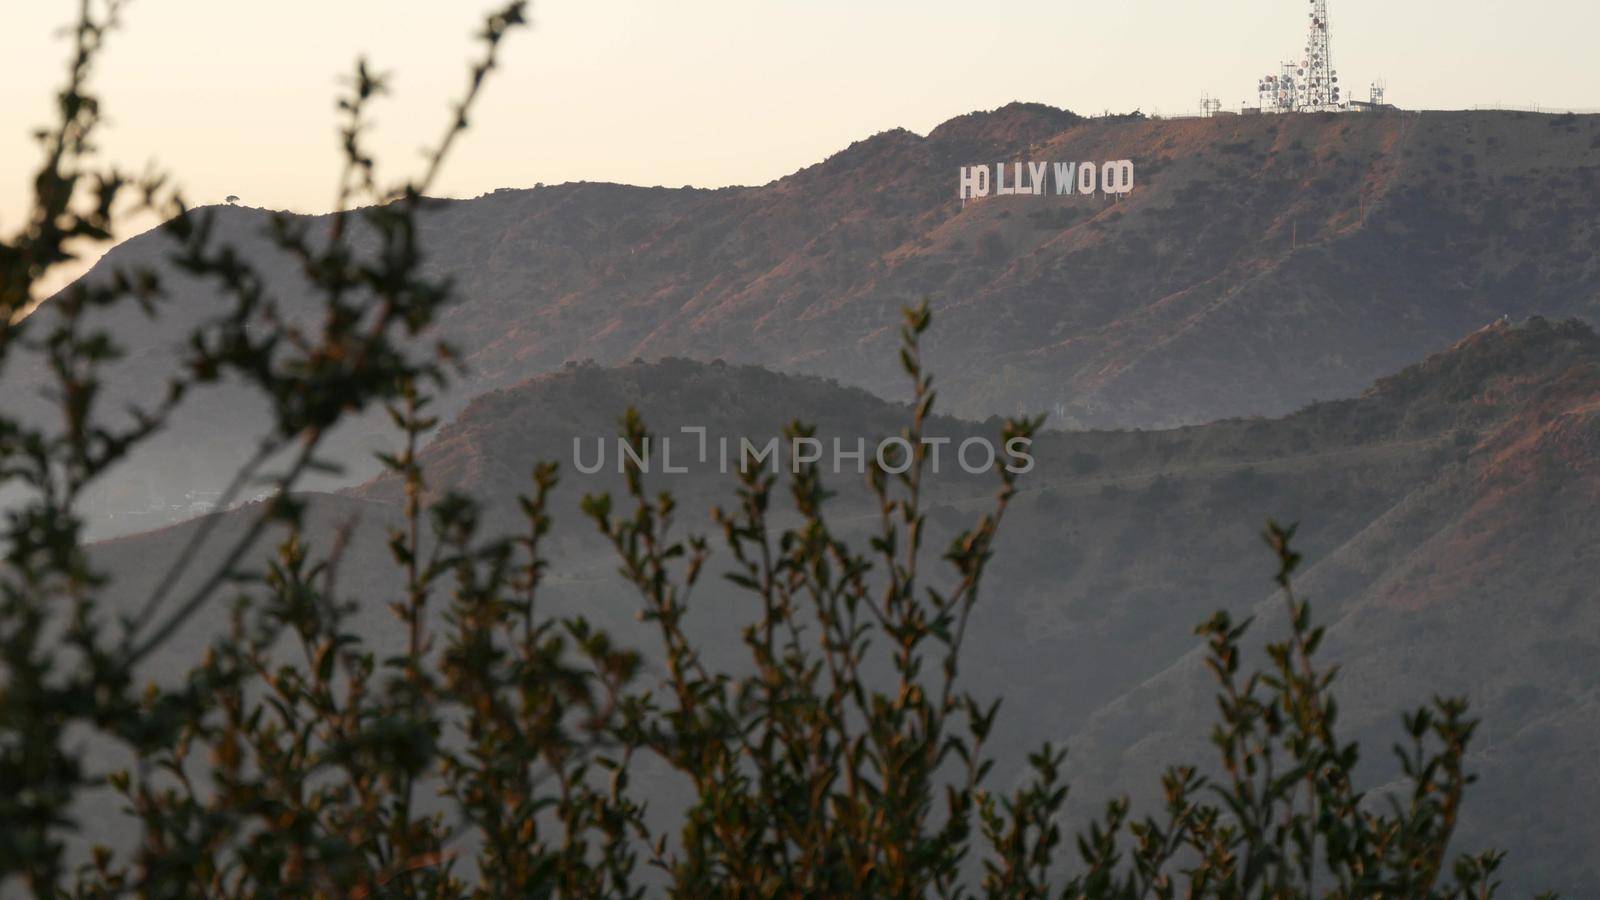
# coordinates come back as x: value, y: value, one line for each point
x: 1261, y: 262
x: 1443, y: 525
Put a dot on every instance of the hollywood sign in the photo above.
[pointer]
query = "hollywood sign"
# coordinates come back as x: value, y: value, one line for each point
x: 1041, y: 178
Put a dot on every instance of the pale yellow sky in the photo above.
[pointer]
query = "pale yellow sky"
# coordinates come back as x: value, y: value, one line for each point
x: 237, y: 97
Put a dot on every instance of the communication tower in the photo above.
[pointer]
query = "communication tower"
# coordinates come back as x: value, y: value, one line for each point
x: 1277, y: 93
x: 1308, y: 83
x: 1319, y: 81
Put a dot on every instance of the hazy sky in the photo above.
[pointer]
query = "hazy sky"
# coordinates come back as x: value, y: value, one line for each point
x: 236, y: 97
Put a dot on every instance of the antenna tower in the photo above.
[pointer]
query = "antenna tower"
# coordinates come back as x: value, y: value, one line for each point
x: 1317, y: 81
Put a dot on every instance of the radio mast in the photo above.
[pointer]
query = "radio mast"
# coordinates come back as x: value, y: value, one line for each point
x: 1318, y: 83
x: 1309, y: 83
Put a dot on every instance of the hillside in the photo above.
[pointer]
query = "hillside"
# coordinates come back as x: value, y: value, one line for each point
x: 1447, y: 514
x: 1260, y: 263
x: 1478, y: 582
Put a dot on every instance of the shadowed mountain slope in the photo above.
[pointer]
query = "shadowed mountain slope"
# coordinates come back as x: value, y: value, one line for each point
x: 1448, y: 522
